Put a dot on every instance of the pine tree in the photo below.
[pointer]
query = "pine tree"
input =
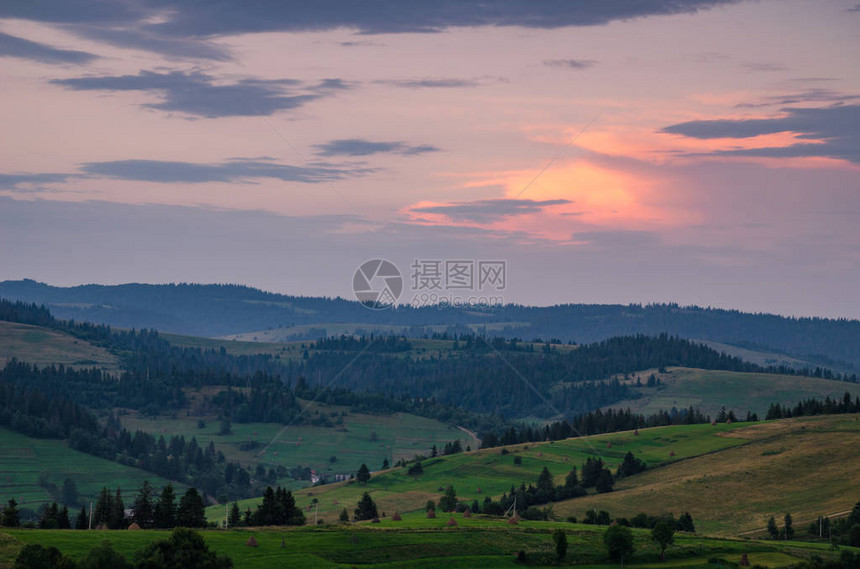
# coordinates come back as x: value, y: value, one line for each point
x: 143, y: 509
x: 164, y: 511
x: 191, y: 512
x: 82, y: 521
x: 788, y: 530
x: 234, y: 517
x: 366, y: 509
x: 116, y: 516
x: 772, y: 530
x: 11, y: 517
x: 101, y: 512
x: 363, y: 474
x: 63, y: 521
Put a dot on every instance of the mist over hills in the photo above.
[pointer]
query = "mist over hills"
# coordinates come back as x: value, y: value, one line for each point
x: 215, y: 310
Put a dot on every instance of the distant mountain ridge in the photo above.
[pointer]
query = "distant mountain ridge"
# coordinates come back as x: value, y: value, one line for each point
x: 219, y: 310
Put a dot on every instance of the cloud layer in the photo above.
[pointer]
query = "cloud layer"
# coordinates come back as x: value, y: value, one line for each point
x: 199, y: 94
x: 833, y: 132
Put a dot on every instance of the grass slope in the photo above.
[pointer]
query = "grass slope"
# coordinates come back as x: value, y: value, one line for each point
x: 731, y: 478
x: 806, y: 466
x: 413, y: 542
x: 400, y: 435
x: 42, y: 346
x: 741, y: 392
x: 23, y: 459
x: 487, y: 472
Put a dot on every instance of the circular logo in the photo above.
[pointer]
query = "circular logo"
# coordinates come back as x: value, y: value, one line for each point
x: 377, y: 284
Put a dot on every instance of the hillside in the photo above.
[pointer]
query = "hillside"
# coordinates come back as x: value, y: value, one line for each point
x: 43, y: 346
x: 731, y: 478
x: 28, y: 465
x: 224, y: 310
x: 710, y: 390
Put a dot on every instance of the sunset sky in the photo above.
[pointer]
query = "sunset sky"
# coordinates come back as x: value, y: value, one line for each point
x: 701, y: 152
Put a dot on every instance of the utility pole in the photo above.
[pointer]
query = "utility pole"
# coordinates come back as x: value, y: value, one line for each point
x: 316, y: 513
x: 91, y: 515
x: 227, y: 515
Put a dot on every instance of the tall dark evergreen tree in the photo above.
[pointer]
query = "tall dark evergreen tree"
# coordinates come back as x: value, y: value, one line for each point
x: 164, y: 511
x: 143, y: 507
x: 191, y: 512
x: 82, y: 521
x: 366, y: 509
x: 363, y: 474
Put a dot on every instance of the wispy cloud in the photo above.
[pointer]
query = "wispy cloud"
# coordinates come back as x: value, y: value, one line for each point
x: 833, y: 132
x: 13, y: 46
x: 362, y: 147
x: 485, y: 211
x: 570, y: 63
x: 198, y: 94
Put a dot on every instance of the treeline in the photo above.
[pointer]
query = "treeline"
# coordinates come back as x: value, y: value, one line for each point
x: 373, y: 343
x: 815, y: 407
x: 481, y: 381
x: 594, y: 423
x: 278, y: 508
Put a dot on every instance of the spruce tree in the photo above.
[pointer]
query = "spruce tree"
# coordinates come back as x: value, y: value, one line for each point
x: 191, y: 512
x: 82, y: 521
x: 164, y: 511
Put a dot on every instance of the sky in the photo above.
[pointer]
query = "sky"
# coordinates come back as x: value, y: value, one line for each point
x: 703, y: 152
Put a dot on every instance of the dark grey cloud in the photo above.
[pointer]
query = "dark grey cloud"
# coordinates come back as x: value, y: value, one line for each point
x: 168, y: 27
x: 835, y: 129
x: 362, y: 147
x: 229, y: 171
x: 570, y: 63
x: 808, y: 96
x: 486, y: 211
x: 392, y: 16
x: 198, y: 94
x: 13, y: 46
x: 235, y: 170
x: 171, y: 47
x: 18, y: 182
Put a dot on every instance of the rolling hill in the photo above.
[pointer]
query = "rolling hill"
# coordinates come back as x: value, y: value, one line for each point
x: 225, y: 310
x: 730, y: 477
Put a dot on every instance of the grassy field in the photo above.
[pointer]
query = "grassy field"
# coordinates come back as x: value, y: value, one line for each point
x: 24, y: 459
x: 805, y: 466
x: 397, y: 436
x: 731, y: 478
x: 414, y: 542
x: 487, y: 472
x: 741, y: 392
x: 37, y: 345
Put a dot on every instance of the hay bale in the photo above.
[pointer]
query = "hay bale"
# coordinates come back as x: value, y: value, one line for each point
x: 467, y: 513
x: 251, y: 542
x: 134, y: 526
x: 431, y: 514
x: 452, y: 522
x: 396, y: 517
x: 514, y: 520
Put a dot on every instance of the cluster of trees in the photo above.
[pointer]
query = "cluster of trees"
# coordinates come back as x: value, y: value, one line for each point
x: 148, y: 510
x: 184, y: 548
x: 484, y: 383
x: 278, y: 508
x: 373, y: 343
x: 449, y: 448
x: 641, y: 520
x: 815, y: 407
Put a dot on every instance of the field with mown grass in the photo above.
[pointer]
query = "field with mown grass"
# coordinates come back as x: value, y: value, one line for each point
x: 24, y: 459
x: 418, y: 542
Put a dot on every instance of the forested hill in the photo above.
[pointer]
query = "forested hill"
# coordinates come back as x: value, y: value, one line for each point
x: 220, y: 310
